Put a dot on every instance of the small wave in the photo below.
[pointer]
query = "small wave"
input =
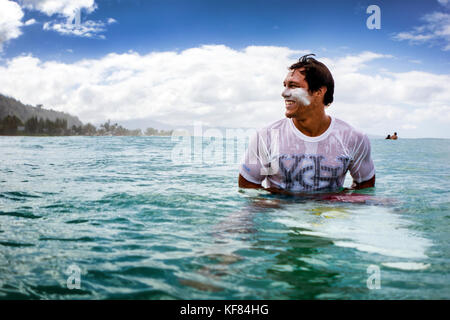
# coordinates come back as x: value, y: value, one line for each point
x: 19, y: 214
x: 33, y: 166
x: 145, y: 272
x: 33, y: 146
x: 60, y: 207
x: 77, y: 221
x: 56, y: 290
x: 82, y: 239
x: 18, y: 195
x: 202, y: 286
x: 406, y: 265
x: 125, y: 200
x: 15, y: 244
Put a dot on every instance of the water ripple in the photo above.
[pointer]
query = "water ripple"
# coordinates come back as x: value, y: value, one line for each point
x: 140, y: 226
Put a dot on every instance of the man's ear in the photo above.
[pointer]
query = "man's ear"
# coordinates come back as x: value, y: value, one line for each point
x: 322, y: 90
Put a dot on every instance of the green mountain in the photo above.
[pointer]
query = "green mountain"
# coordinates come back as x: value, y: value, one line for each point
x: 13, y: 107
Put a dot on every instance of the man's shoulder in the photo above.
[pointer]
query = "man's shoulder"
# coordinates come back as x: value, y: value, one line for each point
x: 276, y: 124
x: 345, y: 128
x: 272, y: 128
x: 349, y: 135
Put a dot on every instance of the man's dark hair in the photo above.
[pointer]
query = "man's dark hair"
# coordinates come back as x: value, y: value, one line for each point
x: 316, y: 75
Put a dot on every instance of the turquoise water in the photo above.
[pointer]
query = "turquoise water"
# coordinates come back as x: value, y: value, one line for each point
x: 140, y: 225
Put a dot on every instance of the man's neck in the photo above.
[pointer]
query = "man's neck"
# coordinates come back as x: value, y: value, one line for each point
x: 313, y: 126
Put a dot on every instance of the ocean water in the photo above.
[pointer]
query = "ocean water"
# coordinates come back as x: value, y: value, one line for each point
x: 124, y: 218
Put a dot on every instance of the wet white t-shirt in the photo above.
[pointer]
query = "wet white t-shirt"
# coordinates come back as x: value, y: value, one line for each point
x: 293, y: 161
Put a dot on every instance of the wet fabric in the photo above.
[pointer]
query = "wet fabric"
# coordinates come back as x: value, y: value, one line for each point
x: 290, y: 160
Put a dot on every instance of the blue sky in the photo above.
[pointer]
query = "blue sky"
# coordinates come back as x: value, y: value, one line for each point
x: 336, y: 26
x: 335, y: 30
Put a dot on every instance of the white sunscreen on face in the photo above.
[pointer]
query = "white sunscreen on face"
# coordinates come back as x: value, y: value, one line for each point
x: 301, y: 95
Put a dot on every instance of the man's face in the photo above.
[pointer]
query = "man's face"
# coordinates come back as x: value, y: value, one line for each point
x: 295, y: 93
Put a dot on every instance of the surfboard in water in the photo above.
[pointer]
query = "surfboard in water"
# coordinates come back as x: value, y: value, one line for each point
x: 351, y: 197
x: 354, y: 198
x: 336, y: 197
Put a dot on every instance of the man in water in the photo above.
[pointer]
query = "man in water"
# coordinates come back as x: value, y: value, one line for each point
x: 394, y: 136
x: 308, y: 150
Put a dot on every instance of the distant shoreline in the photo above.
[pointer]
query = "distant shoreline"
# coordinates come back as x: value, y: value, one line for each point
x: 17, y: 119
x: 13, y: 126
x: 79, y: 135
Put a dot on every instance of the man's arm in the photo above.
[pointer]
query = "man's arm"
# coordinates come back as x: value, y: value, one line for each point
x: 244, y: 183
x: 365, y: 184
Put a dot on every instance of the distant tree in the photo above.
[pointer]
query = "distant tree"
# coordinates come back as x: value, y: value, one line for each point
x: 106, y: 126
x: 9, y: 124
x: 31, y: 125
x: 41, y: 126
x: 136, y: 132
x: 116, y: 130
x: 156, y: 132
x: 151, y: 132
x: 49, y: 127
x: 88, y: 130
x: 60, y: 126
x: 76, y: 130
x: 166, y: 133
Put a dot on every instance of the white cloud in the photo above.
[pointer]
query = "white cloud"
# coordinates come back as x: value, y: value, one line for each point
x: 88, y: 29
x: 387, y: 101
x: 352, y: 63
x: 225, y: 87
x: 30, y: 22
x: 68, y: 16
x: 10, y: 21
x: 434, y: 31
x: 66, y: 8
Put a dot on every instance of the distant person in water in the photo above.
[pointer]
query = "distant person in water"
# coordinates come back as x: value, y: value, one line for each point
x: 307, y: 150
x: 394, y: 136
x: 388, y: 137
